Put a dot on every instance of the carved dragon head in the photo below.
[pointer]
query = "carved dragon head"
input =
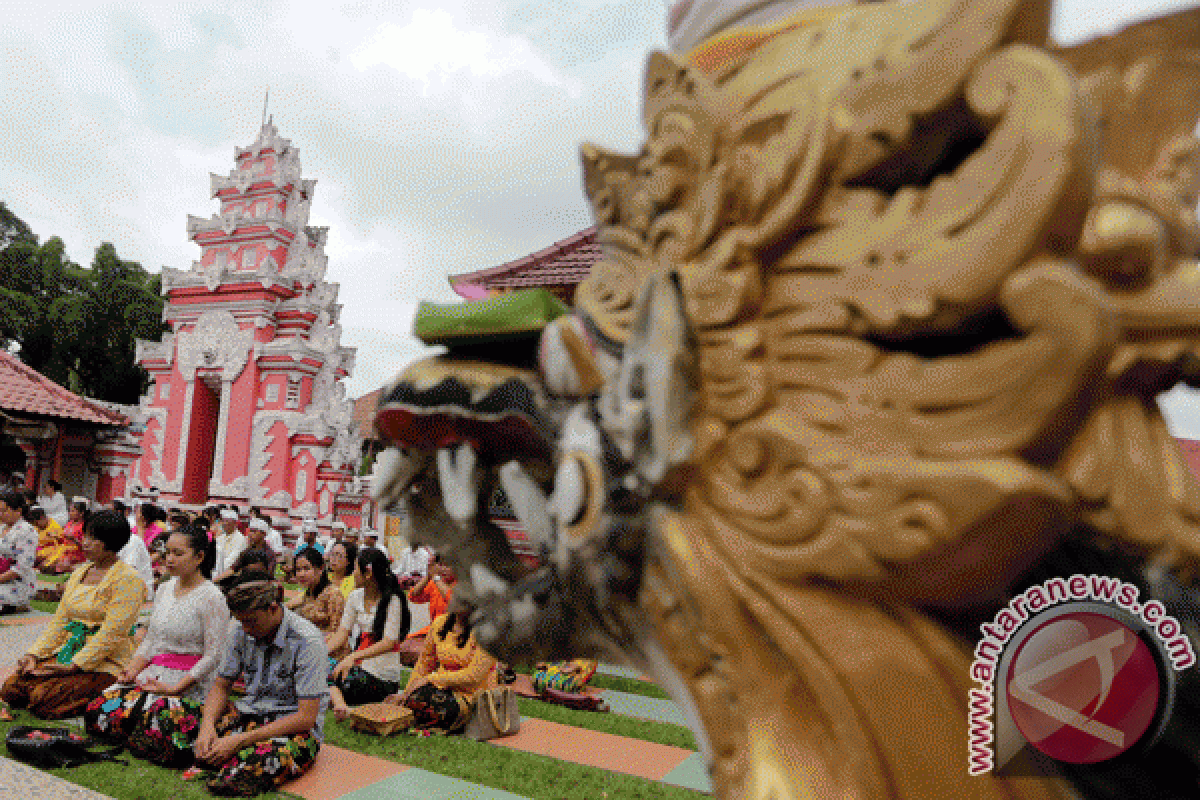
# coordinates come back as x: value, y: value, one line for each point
x: 893, y: 287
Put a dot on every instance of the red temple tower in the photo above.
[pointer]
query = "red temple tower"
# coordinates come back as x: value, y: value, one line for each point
x: 247, y: 402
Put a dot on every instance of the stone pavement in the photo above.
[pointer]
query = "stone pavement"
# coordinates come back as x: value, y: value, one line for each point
x: 18, y: 780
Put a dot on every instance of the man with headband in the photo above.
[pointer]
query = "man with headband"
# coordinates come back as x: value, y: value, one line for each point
x: 273, y: 732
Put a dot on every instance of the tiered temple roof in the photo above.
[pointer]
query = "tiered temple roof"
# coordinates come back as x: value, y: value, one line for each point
x: 560, y: 268
x: 26, y: 392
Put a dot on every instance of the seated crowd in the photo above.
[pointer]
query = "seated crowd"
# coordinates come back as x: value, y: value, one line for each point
x: 224, y: 677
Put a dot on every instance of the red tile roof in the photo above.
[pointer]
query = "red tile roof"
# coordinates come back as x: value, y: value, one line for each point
x: 364, y: 414
x: 24, y: 390
x: 562, y: 265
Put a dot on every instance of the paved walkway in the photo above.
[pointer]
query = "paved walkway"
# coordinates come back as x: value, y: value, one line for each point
x: 649, y: 760
x: 18, y: 780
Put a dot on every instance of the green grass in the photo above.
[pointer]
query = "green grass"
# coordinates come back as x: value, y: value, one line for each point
x: 629, y: 685
x: 138, y: 781
x: 54, y: 578
x: 536, y: 777
x: 607, y: 722
x: 41, y: 605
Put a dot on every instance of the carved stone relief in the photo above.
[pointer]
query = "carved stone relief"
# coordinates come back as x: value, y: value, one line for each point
x: 216, y: 342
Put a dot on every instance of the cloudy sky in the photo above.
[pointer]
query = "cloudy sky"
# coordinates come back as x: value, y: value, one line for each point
x: 444, y: 135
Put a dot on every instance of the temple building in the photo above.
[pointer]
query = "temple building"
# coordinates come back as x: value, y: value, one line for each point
x: 558, y: 268
x: 247, y: 403
x: 47, y: 431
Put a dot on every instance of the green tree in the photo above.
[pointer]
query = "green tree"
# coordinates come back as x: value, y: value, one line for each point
x: 122, y: 304
x: 77, y: 326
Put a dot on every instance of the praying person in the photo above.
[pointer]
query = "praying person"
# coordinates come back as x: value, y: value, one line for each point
x: 378, y: 607
x: 175, y: 666
x: 309, y: 532
x: 230, y: 544
x: 54, y: 502
x: 321, y: 603
x: 70, y: 553
x: 451, y: 669
x: 135, y: 554
x: 342, y: 557
x: 89, y: 641
x: 18, y: 550
x: 50, y: 537
x: 273, y: 733
x: 256, y: 539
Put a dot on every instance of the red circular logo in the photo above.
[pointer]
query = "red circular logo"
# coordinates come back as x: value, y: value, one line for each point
x: 1083, y: 687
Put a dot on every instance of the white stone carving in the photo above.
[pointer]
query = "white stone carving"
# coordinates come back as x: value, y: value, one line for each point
x: 301, y: 483
x: 234, y: 489
x: 215, y: 342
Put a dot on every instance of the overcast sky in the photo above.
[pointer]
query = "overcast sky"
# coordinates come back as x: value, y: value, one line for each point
x: 444, y: 135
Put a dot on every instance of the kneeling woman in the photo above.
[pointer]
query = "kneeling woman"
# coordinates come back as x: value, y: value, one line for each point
x: 89, y: 642
x: 451, y: 669
x: 162, y: 692
x: 373, y: 671
x: 321, y: 603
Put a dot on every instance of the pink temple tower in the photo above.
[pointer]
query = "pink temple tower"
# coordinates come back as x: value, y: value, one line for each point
x: 247, y: 402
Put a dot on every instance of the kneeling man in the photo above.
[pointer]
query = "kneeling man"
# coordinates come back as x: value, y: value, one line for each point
x: 273, y: 733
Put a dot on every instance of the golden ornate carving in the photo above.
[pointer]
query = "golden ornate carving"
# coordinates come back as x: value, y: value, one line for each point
x: 894, y: 287
x: 930, y: 324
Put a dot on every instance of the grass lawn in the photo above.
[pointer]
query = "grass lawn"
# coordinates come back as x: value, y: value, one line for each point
x: 53, y: 578
x: 536, y: 777
x: 533, y: 776
x: 607, y: 722
x: 630, y: 685
x: 138, y: 781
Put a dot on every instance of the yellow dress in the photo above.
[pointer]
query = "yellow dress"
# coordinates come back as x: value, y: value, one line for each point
x: 463, y: 670
x: 346, y: 586
x: 105, y: 613
x: 52, y: 543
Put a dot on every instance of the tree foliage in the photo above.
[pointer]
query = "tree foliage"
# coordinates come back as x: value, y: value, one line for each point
x: 77, y: 326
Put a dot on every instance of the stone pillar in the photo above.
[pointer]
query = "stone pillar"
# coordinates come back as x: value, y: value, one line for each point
x: 218, y: 476
x: 185, y: 426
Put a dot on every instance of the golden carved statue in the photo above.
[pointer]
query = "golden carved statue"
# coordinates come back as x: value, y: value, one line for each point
x: 888, y: 295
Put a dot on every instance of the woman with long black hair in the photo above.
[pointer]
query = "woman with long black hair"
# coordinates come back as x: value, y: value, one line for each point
x: 449, y: 672
x: 321, y: 603
x: 161, y: 693
x: 372, y: 671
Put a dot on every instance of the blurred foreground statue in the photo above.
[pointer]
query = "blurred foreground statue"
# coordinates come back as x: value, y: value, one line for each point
x: 888, y: 295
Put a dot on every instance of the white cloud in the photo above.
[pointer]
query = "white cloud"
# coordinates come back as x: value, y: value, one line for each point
x: 433, y: 46
x: 444, y: 134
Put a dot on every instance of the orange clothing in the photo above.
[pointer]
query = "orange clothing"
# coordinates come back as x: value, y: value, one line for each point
x: 439, y: 603
x: 463, y: 670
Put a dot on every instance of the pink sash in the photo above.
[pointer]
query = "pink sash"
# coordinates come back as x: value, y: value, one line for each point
x: 175, y: 661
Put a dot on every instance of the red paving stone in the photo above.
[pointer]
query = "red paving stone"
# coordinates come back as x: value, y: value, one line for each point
x: 339, y: 772
x: 594, y: 749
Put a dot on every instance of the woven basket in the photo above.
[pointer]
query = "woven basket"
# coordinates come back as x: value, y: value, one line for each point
x: 381, y: 719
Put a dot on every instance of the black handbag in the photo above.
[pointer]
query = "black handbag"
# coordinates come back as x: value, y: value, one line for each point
x: 54, y: 748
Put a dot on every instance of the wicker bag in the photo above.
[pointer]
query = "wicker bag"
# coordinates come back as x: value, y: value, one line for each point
x: 496, y: 714
x: 381, y: 719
